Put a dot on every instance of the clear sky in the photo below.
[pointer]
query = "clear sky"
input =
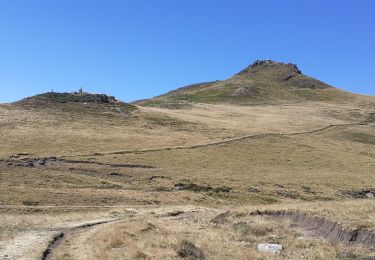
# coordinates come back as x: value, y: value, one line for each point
x: 142, y: 48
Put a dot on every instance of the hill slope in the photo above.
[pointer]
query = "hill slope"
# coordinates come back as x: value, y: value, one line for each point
x: 263, y: 82
x: 75, y: 102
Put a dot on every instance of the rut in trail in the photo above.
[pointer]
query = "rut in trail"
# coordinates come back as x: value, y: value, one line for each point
x: 58, y: 239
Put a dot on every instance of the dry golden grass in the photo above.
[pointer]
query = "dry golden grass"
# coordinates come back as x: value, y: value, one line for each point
x: 54, y: 132
x: 156, y: 235
x: 319, y: 172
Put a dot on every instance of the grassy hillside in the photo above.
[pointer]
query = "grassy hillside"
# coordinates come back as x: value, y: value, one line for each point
x: 263, y: 82
x: 166, y: 183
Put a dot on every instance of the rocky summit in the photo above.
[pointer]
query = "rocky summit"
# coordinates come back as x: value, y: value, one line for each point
x: 262, y: 82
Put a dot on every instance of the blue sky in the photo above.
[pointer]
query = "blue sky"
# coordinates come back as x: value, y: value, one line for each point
x: 142, y: 48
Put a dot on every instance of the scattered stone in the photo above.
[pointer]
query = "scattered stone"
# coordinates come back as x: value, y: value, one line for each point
x: 270, y: 248
x: 359, y: 194
x: 175, y: 213
x: 188, y: 250
x: 30, y: 164
x: 253, y: 189
x: 115, y: 174
x: 42, y: 162
x: 288, y: 77
x: 240, y: 91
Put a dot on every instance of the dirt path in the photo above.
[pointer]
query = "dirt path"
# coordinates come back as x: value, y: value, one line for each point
x: 58, y: 239
x: 30, y: 244
x: 26, y: 245
x: 370, y: 119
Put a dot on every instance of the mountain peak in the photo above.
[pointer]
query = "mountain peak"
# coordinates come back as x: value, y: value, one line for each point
x: 260, y: 65
x: 262, y: 82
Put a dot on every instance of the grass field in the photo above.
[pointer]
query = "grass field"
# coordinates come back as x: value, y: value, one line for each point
x: 178, y: 183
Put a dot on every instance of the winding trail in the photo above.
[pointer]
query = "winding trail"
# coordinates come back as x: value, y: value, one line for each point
x: 370, y: 119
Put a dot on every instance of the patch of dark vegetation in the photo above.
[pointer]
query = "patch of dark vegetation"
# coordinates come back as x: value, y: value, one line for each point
x: 31, y: 162
x: 240, y: 214
x: 124, y: 175
x: 269, y: 200
x: 148, y: 228
x: 126, y: 165
x: 243, y: 228
x: 348, y: 254
x: 361, y: 138
x: 323, y: 198
x: 108, y: 185
x: 82, y: 171
x: 370, y: 118
x: 163, y: 189
x: 224, y: 189
x: 359, y: 194
x: 188, y: 250
x: 141, y: 255
x: 77, y: 97
x: 30, y: 203
x: 158, y: 177
x: 192, y: 187
x: 201, y: 188
x: 260, y: 231
x: 368, y: 154
x: 221, y: 218
x: 148, y: 202
x: 288, y: 194
x: 308, y: 190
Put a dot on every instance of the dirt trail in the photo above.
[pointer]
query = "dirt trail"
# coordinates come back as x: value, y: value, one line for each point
x: 370, y: 119
x: 62, y: 234
x: 26, y: 245
x: 30, y: 244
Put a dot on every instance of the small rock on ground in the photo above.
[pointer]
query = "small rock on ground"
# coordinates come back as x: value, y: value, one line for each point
x: 270, y: 248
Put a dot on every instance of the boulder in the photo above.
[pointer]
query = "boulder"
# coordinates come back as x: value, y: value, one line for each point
x: 270, y: 248
x: 42, y: 162
x: 30, y: 164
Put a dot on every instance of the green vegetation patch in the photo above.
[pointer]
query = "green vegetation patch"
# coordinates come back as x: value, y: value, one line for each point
x: 361, y: 137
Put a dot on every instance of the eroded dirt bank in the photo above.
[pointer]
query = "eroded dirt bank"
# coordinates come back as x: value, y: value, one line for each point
x: 324, y: 228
